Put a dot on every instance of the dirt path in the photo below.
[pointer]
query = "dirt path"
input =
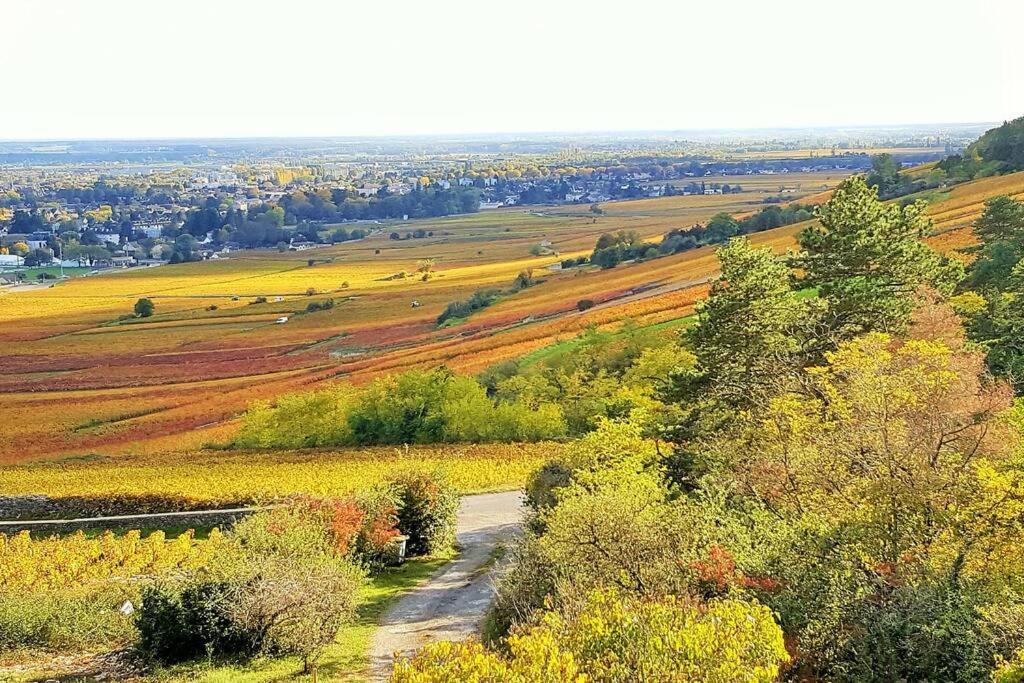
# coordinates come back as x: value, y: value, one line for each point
x: 451, y: 603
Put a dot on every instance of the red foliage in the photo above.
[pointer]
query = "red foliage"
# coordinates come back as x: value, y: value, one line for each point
x: 343, y: 519
x: 765, y: 584
x: 380, y: 529
x: 717, y: 574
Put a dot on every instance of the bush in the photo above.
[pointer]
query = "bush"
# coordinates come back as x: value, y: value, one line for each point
x: 281, y: 586
x: 295, y: 605
x: 525, y: 583
x: 470, y: 416
x: 1010, y: 671
x: 400, y: 409
x: 427, y: 506
x: 584, y: 304
x: 177, y: 623
x: 620, y: 639
x: 375, y: 546
x: 481, y: 298
x: 144, y: 308
x: 299, y: 421
x: 324, y: 305
x: 413, y: 407
x: 362, y: 529
x: 540, y: 489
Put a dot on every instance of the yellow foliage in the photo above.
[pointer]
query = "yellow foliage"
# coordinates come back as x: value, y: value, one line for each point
x: 101, y: 214
x: 63, y: 562
x: 616, y: 639
x: 968, y: 303
x: 205, y: 478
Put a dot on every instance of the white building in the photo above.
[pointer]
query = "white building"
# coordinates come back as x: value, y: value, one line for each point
x: 151, y: 229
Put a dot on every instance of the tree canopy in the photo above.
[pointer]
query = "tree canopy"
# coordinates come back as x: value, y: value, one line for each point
x: 867, y: 261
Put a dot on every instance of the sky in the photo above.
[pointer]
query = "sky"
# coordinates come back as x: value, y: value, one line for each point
x: 244, y: 68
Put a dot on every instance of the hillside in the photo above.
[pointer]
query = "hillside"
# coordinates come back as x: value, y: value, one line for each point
x: 81, y: 381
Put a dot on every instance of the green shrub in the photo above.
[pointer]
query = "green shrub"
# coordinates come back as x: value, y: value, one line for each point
x: 281, y: 587
x: 413, y: 407
x: 314, y: 306
x: 523, y: 589
x: 303, y: 420
x: 402, y: 408
x: 481, y: 298
x: 540, y: 489
x: 179, y: 623
x: 144, y: 308
x: 427, y: 505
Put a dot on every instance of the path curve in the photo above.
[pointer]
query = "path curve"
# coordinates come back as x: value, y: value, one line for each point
x: 450, y: 604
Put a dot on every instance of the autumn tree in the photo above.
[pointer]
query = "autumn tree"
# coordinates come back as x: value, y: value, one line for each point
x: 883, y: 503
x: 895, y: 438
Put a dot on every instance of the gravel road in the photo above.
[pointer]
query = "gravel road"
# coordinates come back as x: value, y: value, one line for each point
x: 451, y: 603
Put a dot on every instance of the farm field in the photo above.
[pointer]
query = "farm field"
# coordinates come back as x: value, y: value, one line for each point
x: 786, y: 183
x: 80, y: 382
x: 824, y: 152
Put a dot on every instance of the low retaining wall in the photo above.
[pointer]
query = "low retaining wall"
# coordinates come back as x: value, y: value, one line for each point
x: 155, y: 519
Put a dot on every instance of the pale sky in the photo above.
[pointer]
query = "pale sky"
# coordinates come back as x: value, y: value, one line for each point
x: 239, y: 68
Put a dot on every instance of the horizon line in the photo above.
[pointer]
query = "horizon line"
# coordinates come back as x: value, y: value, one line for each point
x: 523, y: 133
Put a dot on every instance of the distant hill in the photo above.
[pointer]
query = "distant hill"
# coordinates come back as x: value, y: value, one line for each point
x: 998, y: 151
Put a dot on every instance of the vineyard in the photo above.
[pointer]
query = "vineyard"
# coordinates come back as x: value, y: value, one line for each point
x: 76, y: 561
x: 78, y: 380
x: 159, y: 482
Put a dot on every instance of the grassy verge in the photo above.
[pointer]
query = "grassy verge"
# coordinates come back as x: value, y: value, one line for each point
x: 32, y: 274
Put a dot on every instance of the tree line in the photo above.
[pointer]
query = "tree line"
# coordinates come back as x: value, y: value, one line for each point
x: 626, y: 245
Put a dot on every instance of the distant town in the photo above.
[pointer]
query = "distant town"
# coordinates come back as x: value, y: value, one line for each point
x: 81, y: 207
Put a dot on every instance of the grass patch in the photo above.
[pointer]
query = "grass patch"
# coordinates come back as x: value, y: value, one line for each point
x: 32, y: 274
x: 124, y: 417
x: 565, y: 346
